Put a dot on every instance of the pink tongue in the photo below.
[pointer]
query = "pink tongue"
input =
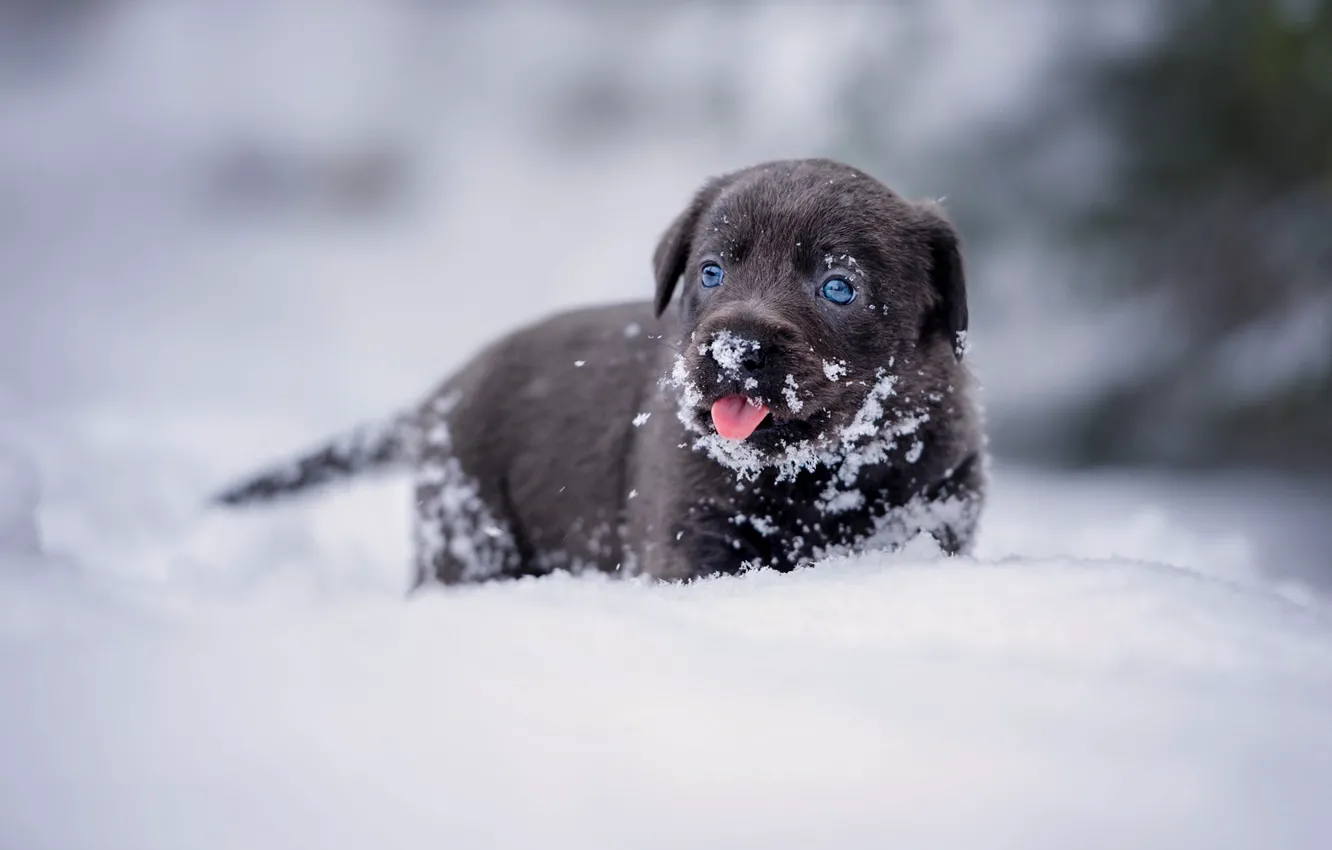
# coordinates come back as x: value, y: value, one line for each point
x: 736, y: 416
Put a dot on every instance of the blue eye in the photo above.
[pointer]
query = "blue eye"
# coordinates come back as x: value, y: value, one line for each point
x: 712, y: 275
x: 838, y: 291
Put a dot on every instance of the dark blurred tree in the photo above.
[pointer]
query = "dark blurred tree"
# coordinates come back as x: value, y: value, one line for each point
x: 1211, y: 202
x: 1220, y: 202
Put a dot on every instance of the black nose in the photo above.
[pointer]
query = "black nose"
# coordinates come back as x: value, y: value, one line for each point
x: 752, y: 361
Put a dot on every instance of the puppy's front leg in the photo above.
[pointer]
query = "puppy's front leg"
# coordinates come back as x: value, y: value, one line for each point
x: 704, y: 545
x: 461, y: 534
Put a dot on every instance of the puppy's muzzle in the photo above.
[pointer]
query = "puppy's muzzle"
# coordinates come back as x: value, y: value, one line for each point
x: 746, y: 345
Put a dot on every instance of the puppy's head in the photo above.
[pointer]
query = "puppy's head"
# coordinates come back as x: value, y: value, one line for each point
x: 806, y: 286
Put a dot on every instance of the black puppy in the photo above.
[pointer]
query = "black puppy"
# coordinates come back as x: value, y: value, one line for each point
x: 808, y: 400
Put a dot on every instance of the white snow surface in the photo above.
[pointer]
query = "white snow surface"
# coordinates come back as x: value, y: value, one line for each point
x: 1095, y: 677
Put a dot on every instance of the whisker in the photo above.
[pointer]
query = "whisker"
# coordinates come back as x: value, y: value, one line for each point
x: 659, y: 341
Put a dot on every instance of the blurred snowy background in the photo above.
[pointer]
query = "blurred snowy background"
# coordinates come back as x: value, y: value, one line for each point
x: 230, y: 228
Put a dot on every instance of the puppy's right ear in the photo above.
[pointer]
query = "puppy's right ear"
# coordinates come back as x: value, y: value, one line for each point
x: 668, y: 261
x: 948, y: 278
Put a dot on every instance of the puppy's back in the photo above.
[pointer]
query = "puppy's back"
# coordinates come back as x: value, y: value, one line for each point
x: 543, y: 424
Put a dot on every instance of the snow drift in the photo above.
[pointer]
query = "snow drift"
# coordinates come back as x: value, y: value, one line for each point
x: 886, y: 700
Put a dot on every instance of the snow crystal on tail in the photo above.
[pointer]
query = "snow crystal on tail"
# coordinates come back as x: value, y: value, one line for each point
x: 368, y: 447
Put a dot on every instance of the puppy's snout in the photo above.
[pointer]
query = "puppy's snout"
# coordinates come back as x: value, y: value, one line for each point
x: 735, y: 354
x: 748, y: 346
x: 753, y: 360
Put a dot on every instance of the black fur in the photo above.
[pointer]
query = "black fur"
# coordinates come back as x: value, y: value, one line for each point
x: 581, y: 442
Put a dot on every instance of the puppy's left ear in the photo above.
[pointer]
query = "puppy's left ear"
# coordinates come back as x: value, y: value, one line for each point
x: 948, y: 278
x: 668, y: 261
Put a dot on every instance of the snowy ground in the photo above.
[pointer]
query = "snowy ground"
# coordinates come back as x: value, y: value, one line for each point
x: 259, y: 681
x: 1126, y: 662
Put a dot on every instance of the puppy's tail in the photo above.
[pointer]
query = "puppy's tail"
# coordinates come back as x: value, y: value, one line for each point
x: 370, y: 447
